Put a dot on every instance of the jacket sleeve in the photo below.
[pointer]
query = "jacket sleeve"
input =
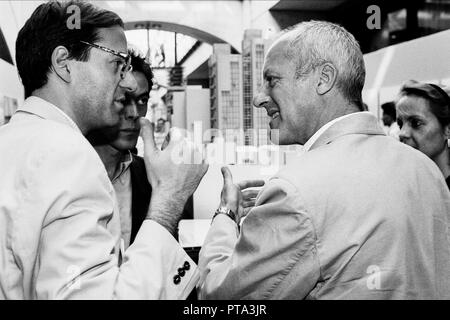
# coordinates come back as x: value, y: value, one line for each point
x: 273, y: 257
x: 78, y: 252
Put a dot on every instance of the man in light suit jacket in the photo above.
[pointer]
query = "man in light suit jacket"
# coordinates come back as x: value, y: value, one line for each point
x: 358, y: 216
x: 59, y: 219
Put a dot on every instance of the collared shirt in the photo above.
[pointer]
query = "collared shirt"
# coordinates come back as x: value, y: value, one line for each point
x: 122, y: 185
x: 324, y: 128
x: 48, y: 110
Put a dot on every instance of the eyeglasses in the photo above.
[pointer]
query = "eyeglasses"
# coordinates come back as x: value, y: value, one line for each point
x: 126, y: 57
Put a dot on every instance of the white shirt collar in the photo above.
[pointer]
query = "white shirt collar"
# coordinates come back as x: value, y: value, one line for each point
x: 45, y: 109
x: 307, y: 146
x: 124, y: 165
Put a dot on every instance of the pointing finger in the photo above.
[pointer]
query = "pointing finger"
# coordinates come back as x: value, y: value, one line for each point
x: 147, y: 134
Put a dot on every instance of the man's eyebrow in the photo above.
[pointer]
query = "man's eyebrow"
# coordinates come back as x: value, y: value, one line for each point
x: 415, y: 116
x: 410, y: 117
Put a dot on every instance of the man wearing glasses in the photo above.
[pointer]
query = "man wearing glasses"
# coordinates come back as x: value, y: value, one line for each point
x: 59, y: 219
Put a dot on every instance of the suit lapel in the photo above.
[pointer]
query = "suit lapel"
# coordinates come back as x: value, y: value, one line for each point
x: 140, y: 194
x: 357, y: 123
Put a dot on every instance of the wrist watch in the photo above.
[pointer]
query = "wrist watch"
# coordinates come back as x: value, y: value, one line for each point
x: 224, y: 210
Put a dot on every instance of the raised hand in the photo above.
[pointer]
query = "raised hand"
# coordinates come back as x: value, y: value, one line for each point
x: 238, y: 197
x: 173, y: 179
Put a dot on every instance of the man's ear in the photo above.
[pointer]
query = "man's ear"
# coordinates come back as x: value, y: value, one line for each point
x: 327, y: 78
x: 61, y: 63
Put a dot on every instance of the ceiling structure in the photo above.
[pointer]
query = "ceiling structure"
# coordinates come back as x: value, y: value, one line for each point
x: 207, y: 21
x: 224, y: 21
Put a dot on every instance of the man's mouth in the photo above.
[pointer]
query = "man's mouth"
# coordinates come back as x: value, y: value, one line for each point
x: 130, y: 130
x: 273, y: 113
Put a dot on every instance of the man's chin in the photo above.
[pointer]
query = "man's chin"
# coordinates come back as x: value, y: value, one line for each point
x: 276, y: 137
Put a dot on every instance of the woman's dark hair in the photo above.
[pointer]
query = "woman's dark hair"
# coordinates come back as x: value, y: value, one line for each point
x: 49, y: 27
x: 439, y: 99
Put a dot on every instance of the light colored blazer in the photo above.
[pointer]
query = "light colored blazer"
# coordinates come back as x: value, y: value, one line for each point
x: 359, y: 216
x: 59, y: 227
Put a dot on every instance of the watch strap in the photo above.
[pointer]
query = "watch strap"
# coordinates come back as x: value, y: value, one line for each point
x: 225, y: 211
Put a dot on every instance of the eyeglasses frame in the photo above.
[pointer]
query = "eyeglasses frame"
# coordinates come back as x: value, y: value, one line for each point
x: 127, y: 57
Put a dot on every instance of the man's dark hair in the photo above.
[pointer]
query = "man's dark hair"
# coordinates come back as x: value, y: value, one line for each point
x: 389, y: 109
x: 47, y: 28
x: 140, y: 65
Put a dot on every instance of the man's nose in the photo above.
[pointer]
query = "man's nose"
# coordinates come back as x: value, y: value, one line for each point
x: 260, y: 99
x: 129, y: 82
x: 405, y: 133
x: 131, y: 111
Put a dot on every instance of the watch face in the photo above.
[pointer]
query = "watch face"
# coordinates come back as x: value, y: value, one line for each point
x: 226, y: 211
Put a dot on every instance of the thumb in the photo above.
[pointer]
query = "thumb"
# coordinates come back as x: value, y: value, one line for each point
x: 227, y: 177
x: 147, y: 135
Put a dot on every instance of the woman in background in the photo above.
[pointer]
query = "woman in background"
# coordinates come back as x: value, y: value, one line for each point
x: 423, y: 115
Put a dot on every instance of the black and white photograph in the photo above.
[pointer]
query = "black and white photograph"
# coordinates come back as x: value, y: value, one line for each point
x: 224, y: 153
